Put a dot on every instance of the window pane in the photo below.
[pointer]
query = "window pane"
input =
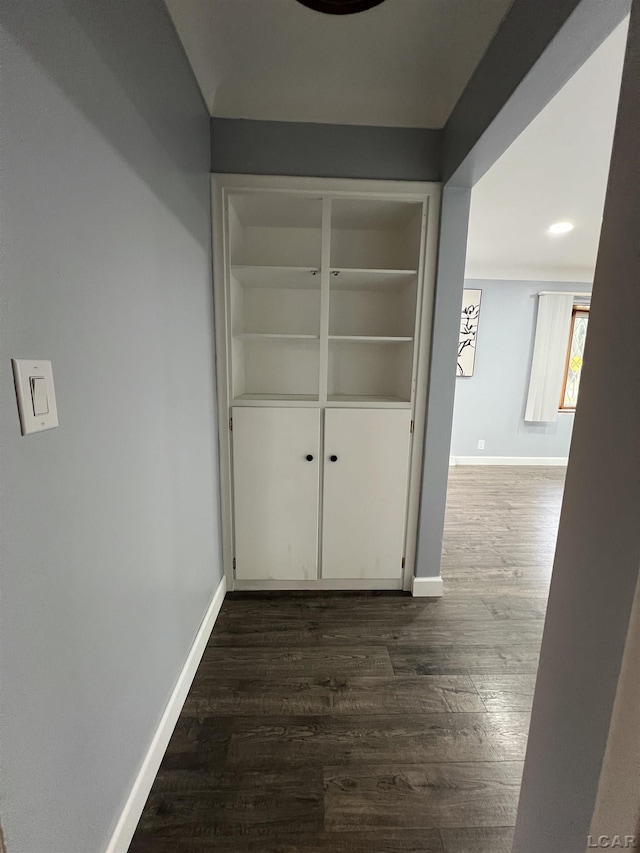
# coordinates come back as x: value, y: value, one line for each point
x: 576, y: 354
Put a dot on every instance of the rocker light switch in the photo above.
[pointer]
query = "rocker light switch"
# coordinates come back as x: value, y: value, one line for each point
x: 36, y: 395
x: 39, y: 397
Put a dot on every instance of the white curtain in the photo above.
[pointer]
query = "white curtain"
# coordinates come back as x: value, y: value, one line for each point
x: 549, y: 357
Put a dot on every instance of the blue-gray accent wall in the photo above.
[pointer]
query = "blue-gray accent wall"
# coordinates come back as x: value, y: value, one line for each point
x: 109, y: 555
x: 454, y: 224
x: 324, y: 150
x: 595, y: 570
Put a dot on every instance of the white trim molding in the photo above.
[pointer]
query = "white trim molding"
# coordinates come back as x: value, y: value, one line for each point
x: 128, y: 821
x: 560, y: 461
x: 427, y: 587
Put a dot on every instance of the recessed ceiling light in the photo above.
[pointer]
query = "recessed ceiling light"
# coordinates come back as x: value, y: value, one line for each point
x: 561, y: 227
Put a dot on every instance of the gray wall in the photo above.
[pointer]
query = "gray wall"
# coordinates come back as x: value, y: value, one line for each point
x: 617, y: 808
x: 110, y: 543
x: 595, y: 572
x: 491, y: 403
x: 454, y: 224
x: 324, y: 150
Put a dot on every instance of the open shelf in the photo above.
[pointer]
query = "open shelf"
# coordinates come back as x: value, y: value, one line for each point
x: 275, y: 229
x: 346, y: 278
x: 276, y: 209
x: 375, y: 234
x: 272, y: 277
x: 277, y: 366
x: 372, y: 304
x: 275, y: 301
x: 368, y: 370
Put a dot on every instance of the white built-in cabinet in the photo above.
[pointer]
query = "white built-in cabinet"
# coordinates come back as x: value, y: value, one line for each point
x: 323, y: 297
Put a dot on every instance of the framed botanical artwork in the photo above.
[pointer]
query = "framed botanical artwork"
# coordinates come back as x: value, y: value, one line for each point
x: 469, y: 318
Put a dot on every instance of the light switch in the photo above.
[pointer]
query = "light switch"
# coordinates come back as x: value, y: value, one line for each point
x: 39, y: 397
x: 36, y: 394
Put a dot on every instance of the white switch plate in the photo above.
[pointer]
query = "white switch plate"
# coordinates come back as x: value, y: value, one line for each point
x: 31, y: 395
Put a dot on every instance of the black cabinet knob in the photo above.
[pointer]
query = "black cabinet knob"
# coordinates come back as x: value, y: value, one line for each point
x: 333, y: 458
x: 309, y: 457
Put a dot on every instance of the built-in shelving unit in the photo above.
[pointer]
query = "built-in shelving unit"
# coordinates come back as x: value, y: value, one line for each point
x: 323, y: 290
x: 285, y: 270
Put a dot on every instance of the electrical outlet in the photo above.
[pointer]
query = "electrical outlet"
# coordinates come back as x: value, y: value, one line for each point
x: 481, y: 444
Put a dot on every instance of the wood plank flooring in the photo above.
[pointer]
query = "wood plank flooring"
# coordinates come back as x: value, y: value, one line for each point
x: 371, y: 723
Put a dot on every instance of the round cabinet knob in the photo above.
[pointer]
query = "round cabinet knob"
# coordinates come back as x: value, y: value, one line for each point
x: 309, y: 457
x: 333, y: 458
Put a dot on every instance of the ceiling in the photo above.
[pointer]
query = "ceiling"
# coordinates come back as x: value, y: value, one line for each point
x: 401, y: 64
x: 556, y: 170
x: 405, y: 63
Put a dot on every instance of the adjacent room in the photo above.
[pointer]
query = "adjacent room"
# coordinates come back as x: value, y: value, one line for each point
x: 534, y: 230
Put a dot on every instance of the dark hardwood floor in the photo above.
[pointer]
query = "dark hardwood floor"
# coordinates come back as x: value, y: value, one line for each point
x: 371, y: 723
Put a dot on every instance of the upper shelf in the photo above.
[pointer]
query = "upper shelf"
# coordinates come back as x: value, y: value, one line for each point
x: 301, y: 278
x: 274, y: 398
x: 273, y: 277
x: 349, y: 278
x: 268, y: 336
x: 356, y: 214
x: 276, y: 210
x: 370, y: 339
x: 363, y: 400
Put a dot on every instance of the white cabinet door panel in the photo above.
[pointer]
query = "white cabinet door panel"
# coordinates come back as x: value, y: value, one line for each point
x: 276, y: 492
x: 365, y: 492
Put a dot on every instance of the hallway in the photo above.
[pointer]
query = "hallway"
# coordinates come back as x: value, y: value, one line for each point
x: 372, y: 723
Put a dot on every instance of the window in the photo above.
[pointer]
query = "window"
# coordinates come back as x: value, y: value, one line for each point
x: 575, y: 355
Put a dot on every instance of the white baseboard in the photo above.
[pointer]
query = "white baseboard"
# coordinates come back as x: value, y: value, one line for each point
x: 510, y: 460
x: 126, y: 826
x: 452, y: 460
x: 426, y: 587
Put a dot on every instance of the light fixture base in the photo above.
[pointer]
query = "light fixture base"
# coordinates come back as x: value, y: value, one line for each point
x: 340, y: 7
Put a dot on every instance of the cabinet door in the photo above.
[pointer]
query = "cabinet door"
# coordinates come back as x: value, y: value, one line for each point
x: 276, y: 492
x: 365, y: 492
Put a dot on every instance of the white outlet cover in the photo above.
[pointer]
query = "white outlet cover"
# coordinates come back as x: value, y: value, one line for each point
x: 24, y: 370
